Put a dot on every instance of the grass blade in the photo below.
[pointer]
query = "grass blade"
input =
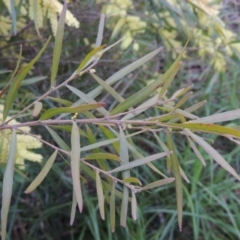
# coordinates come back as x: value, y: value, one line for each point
x: 17, y: 81
x: 100, y: 195
x: 8, y: 184
x: 58, y: 44
x: 75, y: 166
x: 213, y: 153
x: 158, y: 183
x: 43, y: 173
x: 140, y: 162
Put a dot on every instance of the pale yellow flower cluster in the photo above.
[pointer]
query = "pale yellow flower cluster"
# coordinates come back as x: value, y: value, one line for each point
x: 5, y: 25
x: 22, y: 9
x: 122, y: 22
x: 51, y: 9
x: 24, y: 144
x: 212, y: 38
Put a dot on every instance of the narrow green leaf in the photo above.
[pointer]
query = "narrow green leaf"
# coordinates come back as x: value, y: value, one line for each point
x: 213, y: 153
x: 180, y: 111
x: 3, y: 71
x: 75, y: 166
x: 37, y: 109
x: 100, y: 195
x: 158, y: 183
x: 137, y: 97
x: 45, y: 170
x: 108, y: 88
x: 178, y: 179
x: 125, y: 174
x: 195, y: 106
x: 13, y: 16
x: 58, y: 139
x: 97, y: 156
x: 169, y: 76
x: 17, y: 81
x: 198, y: 154
x: 209, y: 128
x: 125, y: 71
x: 73, y: 208
x: 183, y: 100
x: 62, y: 101
x: 219, y: 117
x: 183, y: 174
x: 165, y: 148
x: 100, y: 31
x: 141, y: 108
x: 172, y: 71
x: 136, y: 154
x: 140, y: 162
x: 109, y: 134
x: 91, y: 138
x: 124, y: 207
x: 68, y: 128
x: 132, y: 180
x: 7, y: 184
x: 121, y: 73
x: 180, y: 92
x: 32, y: 80
x: 82, y: 108
x: 58, y: 44
x: 88, y: 57
x: 106, y: 142
x: 134, y: 206
x: 87, y: 99
x: 112, y: 208
x: 141, y: 95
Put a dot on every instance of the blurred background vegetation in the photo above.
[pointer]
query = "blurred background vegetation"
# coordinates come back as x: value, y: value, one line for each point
x: 211, y: 63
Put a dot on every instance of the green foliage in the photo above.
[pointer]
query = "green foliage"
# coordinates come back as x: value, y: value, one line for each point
x: 129, y: 135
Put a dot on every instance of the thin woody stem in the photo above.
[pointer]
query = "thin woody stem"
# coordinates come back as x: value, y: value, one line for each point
x: 87, y: 121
